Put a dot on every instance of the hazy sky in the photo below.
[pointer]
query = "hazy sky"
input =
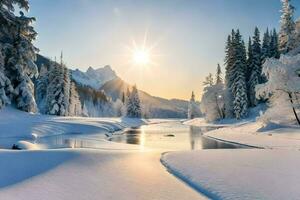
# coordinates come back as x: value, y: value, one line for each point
x: 188, y: 35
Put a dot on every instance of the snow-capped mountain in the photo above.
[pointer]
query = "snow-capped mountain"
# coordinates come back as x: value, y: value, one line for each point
x: 93, y: 82
x: 94, y: 78
x: 107, y: 80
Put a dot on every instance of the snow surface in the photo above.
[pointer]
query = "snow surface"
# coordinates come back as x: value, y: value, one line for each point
x: 254, y: 134
x: 239, y: 174
x: 269, y: 173
x: 88, y: 175
x: 115, y: 171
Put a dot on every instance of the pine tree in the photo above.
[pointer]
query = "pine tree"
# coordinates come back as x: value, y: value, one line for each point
x: 6, y: 88
x: 229, y: 62
x: 66, y: 85
x: 209, y: 80
x: 256, y: 68
x: 20, y: 66
x: 56, y: 100
x: 191, y: 107
x: 266, y: 48
x: 287, y: 28
x: 133, y: 104
x: 219, y: 79
x: 18, y: 55
x: 229, y: 59
x: 238, y: 75
x: 274, y: 51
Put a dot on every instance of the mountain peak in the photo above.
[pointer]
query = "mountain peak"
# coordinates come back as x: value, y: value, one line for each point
x: 90, y: 69
x: 94, y: 77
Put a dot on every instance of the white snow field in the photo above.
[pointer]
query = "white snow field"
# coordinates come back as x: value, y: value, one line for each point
x: 268, y: 173
x: 88, y: 175
x: 113, y: 172
x: 239, y: 174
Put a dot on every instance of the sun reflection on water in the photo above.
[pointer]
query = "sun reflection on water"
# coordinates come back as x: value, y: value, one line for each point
x: 142, y: 139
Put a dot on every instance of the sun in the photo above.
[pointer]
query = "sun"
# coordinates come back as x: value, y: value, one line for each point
x: 141, y: 57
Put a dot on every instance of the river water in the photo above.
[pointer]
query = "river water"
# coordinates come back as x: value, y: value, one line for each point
x: 168, y: 136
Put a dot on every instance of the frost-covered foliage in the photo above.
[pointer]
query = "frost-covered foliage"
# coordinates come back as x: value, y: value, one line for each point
x: 270, y: 45
x: 133, y: 104
x: 193, y: 110
x: 255, y: 64
x: 5, y: 85
x: 282, y: 88
x: 287, y: 28
x: 235, y: 76
x: 57, y: 103
x: 17, y: 36
x: 212, y: 103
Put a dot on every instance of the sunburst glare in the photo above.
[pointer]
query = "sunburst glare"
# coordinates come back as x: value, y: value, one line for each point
x: 141, y: 57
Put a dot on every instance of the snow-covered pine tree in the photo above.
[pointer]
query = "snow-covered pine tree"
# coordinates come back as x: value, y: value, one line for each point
x: 56, y: 104
x: 66, y: 85
x: 229, y: 62
x: 20, y: 67
x: 219, y: 79
x: 209, y: 80
x: 133, y: 106
x: 266, y: 46
x: 75, y: 108
x: 239, y: 87
x: 249, y: 59
x: 274, y: 51
x: 6, y: 88
x: 256, y: 68
x: 287, y: 27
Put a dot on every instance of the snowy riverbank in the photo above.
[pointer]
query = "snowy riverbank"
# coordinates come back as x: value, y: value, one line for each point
x: 17, y: 126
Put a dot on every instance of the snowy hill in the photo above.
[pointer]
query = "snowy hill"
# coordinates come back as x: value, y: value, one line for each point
x: 94, y: 77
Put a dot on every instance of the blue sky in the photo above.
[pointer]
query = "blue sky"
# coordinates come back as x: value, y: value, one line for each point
x: 189, y: 36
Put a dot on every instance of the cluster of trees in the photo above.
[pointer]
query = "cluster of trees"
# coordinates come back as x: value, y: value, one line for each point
x: 17, y: 55
x: 244, y: 69
x: 283, y: 75
x: 246, y: 82
x: 56, y: 94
